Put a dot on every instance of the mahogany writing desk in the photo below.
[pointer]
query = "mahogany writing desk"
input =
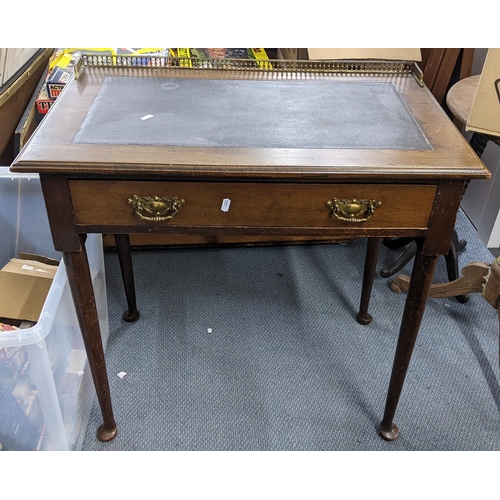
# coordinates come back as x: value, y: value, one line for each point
x: 343, y: 149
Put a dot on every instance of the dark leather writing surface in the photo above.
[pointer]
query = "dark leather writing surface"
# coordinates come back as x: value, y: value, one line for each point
x: 250, y: 114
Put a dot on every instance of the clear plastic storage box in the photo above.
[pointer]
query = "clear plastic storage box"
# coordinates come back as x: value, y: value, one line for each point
x: 46, y: 389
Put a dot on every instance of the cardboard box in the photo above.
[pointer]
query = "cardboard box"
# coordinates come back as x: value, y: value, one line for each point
x: 62, y: 65
x: 60, y: 73
x: 141, y: 56
x: 413, y: 55
x: 57, y: 80
x: 484, y: 116
x: 43, y: 101
x: 197, y: 56
x: 24, y: 285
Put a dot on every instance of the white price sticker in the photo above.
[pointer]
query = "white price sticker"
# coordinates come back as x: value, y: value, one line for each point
x: 226, y: 202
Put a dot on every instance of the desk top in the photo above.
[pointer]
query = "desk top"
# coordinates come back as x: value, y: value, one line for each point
x: 251, y: 124
x: 277, y: 114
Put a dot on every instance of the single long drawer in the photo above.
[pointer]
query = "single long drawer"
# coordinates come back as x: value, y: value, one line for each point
x: 251, y: 204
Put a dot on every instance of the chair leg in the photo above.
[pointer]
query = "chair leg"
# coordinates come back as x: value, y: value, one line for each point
x: 408, y: 254
x: 459, y: 244
x: 478, y: 143
x: 394, y: 243
x: 451, y: 259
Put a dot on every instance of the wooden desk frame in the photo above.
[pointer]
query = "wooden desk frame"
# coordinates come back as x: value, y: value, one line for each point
x: 76, y: 179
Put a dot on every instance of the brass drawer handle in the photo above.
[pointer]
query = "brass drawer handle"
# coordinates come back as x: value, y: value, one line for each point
x: 154, y: 208
x: 353, y: 210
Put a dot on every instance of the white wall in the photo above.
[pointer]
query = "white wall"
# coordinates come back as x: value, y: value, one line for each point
x: 494, y: 241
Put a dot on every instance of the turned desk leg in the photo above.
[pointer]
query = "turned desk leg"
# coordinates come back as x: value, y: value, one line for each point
x: 80, y: 282
x: 125, y: 258
x: 420, y: 283
x: 372, y: 251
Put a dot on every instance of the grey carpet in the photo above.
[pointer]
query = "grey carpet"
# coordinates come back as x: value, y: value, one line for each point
x: 286, y: 366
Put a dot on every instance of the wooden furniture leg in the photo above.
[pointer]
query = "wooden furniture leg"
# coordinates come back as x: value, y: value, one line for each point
x: 451, y: 259
x: 372, y: 251
x: 479, y: 277
x: 473, y: 280
x: 421, y: 280
x: 125, y: 258
x: 80, y: 282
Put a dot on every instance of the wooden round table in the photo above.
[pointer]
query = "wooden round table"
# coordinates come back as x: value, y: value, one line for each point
x: 459, y: 101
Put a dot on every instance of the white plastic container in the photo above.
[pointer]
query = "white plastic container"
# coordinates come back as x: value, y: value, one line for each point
x: 46, y: 389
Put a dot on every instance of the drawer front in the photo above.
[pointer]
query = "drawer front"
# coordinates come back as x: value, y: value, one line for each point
x: 200, y: 204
